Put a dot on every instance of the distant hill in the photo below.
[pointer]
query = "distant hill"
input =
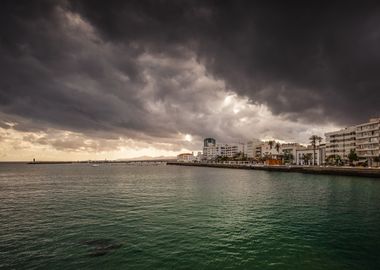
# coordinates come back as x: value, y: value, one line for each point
x: 148, y: 158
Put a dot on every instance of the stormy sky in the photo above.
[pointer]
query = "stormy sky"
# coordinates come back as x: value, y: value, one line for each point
x: 113, y: 79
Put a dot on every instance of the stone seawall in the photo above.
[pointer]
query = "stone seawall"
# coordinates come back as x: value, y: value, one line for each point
x: 345, y: 171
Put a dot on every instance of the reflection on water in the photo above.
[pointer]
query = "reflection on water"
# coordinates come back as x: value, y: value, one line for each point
x: 168, y: 217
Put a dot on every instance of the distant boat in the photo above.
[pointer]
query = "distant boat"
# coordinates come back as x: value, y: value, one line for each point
x: 95, y: 165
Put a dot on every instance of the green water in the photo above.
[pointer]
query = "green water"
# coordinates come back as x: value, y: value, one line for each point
x: 169, y: 217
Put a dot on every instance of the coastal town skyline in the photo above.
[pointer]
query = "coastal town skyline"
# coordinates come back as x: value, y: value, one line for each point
x: 189, y: 134
x: 91, y: 80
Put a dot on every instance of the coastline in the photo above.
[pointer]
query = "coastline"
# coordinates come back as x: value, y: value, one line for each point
x: 343, y: 171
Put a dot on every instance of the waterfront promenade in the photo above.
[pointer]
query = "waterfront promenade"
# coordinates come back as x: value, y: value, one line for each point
x: 345, y: 171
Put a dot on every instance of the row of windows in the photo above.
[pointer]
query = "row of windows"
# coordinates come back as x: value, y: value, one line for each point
x: 368, y: 146
x: 337, y: 151
x: 343, y: 140
x: 368, y: 153
x: 340, y: 146
x: 373, y: 140
x: 367, y: 127
x: 369, y: 133
x: 342, y: 135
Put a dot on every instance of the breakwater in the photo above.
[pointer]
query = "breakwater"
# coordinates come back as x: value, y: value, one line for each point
x: 344, y: 171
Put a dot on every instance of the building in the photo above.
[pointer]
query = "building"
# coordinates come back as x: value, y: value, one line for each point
x: 304, y: 156
x: 234, y: 150
x: 341, y: 142
x: 209, y: 142
x: 289, y: 152
x: 186, y: 157
x: 258, y: 151
x: 322, y: 153
x: 199, y: 157
x: 212, y: 150
x: 251, y: 147
x: 270, y: 149
x: 367, y: 140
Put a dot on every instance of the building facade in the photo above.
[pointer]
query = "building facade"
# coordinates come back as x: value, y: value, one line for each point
x: 209, y: 142
x: 305, y: 156
x: 341, y: 142
x: 235, y: 150
x: 186, y: 157
x: 251, y: 147
x: 213, y: 150
x: 289, y: 152
x: 367, y: 140
x: 210, y: 149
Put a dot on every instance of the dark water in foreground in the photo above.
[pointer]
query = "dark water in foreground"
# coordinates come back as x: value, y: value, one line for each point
x: 168, y: 217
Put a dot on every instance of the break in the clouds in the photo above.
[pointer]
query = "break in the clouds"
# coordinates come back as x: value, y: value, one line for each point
x: 119, y: 76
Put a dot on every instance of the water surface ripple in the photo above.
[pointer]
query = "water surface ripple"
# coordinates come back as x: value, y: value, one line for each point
x: 169, y: 217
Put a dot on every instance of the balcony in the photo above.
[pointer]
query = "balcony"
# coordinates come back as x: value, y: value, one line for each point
x: 366, y: 136
x: 365, y: 128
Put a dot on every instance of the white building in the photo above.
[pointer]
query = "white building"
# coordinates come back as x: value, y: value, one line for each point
x: 186, y: 157
x: 211, y: 152
x: 367, y: 140
x: 341, y: 142
x: 304, y: 156
x: 230, y: 150
x: 199, y: 157
x: 289, y: 150
x: 322, y: 153
x: 234, y: 149
x: 251, y: 147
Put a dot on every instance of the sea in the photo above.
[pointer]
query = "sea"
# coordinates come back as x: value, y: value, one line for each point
x: 120, y: 216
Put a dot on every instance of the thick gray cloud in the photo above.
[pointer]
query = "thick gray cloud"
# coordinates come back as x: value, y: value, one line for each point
x: 317, y: 61
x: 151, y: 70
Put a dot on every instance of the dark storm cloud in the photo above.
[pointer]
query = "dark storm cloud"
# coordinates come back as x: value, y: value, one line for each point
x: 113, y: 68
x: 51, y: 73
x: 306, y: 60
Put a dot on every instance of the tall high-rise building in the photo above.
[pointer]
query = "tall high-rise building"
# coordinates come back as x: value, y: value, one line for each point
x: 209, y: 142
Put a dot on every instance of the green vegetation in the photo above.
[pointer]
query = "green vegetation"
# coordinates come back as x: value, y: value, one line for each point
x: 334, y: 160
x: 352, y: 156
x: 271, y: 143
x: 277, y: 146
x: 313, y: 141
x: 288, y: 157
x: 306, y: 158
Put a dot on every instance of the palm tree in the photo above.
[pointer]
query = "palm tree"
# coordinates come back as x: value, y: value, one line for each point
x: 277, y: 146
x: 306, y: 158
x: 271, y: 144
x: 313, y: 141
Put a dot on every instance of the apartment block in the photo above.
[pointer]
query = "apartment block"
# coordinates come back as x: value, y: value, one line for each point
x: 230, y: 150
x: 251, y: 147
x: 341, y: 142
x: 367, y: 140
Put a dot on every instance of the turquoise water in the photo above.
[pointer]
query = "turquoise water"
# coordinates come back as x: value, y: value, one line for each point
x: 169, y: 217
